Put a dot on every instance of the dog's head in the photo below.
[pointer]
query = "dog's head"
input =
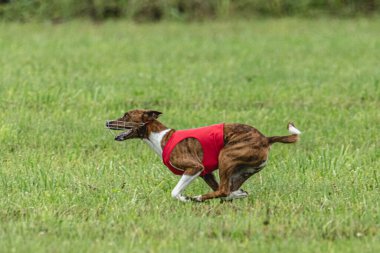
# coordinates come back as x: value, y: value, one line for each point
x: 134, y: 123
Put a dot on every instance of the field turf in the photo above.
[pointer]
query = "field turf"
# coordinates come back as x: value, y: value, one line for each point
x: 66, y: 186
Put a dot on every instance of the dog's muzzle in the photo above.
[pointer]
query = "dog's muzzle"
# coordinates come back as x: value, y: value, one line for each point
x: 131, y: 129
x: 117, y: 125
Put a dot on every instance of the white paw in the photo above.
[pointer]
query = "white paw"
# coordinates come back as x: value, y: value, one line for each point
x: 183, y: 198
x: 197, y: 198
x: 239, y: 194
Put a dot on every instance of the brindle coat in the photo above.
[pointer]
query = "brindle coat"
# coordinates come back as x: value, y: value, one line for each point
x: 244, y: 154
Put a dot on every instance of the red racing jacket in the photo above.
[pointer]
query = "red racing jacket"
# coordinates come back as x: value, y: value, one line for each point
x: 211, y: 139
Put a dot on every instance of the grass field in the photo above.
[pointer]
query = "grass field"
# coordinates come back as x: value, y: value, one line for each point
x: 66, y: 186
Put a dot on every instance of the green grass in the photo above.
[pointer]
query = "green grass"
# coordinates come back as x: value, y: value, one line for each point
x: 66, y: 186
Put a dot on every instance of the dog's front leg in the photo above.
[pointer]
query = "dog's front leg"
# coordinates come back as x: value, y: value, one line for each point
x: 185, y: 180
x: 211, y: 181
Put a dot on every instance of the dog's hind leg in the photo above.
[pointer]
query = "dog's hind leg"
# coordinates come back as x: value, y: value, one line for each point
x: 237, y: 179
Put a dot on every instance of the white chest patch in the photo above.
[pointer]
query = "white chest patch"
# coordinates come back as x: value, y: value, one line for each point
x: 154, y: 141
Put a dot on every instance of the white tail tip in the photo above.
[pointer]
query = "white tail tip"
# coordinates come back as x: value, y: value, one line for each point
x: 292, y: 129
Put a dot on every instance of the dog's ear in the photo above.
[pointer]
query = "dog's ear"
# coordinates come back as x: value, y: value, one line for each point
x: 151, y: 115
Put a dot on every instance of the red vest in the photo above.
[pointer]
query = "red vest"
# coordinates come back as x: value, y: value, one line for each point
x: 211, y: 139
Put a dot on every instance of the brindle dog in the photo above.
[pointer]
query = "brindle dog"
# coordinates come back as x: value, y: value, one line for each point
x: 245, y: 152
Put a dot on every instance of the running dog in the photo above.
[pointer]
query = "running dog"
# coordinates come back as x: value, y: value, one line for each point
x: 237, y: 150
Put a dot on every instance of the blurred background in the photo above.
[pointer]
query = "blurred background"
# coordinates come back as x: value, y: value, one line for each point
x: 182, y: 10
x: 66, y: 66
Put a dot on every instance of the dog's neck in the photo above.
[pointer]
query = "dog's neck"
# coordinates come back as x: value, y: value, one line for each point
x: 157, y: 135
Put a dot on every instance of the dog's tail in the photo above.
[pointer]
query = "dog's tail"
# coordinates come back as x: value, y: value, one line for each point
x: 288, y: 138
